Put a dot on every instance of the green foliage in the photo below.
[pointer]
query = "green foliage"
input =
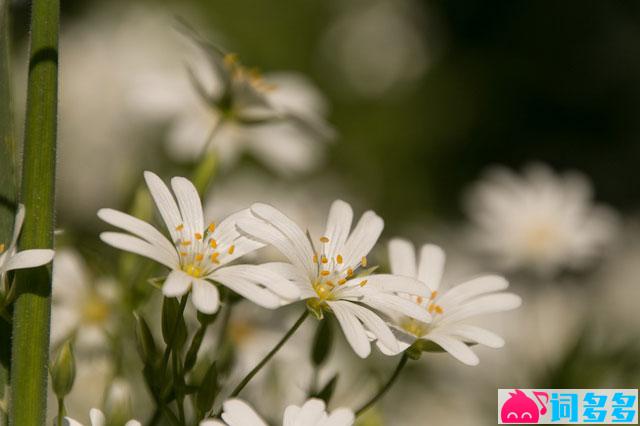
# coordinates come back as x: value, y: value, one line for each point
x: 322, y: 343
x: 209, y: 389
x: 63, y: 371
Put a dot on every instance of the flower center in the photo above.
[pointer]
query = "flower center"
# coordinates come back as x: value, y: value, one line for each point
x: 419, y: 328
x: 539, y: 238
x: 332, y: 273
x: 95, y: 310
x: 240, y: 73
x: 200, y: 253
x: 414, y: 327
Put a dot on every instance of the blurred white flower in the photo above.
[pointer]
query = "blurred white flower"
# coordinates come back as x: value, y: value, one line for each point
x: 538, y: 220
x: 375, y: 47
x: 328, y: 276
x: 11, y: 258
x: 196, y: 255
x: 279, y: 119
x: 312, y: 413
x: 449, y: 310
x: 106, y: 56
x: 97, y: 419
x: 81, y: 308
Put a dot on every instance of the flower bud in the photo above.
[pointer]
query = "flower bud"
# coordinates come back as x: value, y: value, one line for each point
x: 63, y: 371
x: 118, y: 402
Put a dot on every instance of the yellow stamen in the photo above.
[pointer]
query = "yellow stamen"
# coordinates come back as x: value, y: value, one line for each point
x: 199, y: 257
x: 431, y: 308
x: 324, y: 273
x: 212, y: 227
x: 183, y: 253
x: 324, y: 239
x: 349, y: 272
x: 439, y: 309
x: 180, y: 227
x: 339, y: 259
x: 363, y: 262
x: 363, y: 283
x: 214, y: 257
x: 342, y: 281
x: 1, y: 247
x: 185, y: 243
x: 330, y: 283
x: 419, y: 299
x: 434, y: 294
x: 232, y: 248
x: 198, y: 236
x: 213, y: 243
x: 324, y: 259
x: 315, y: 258
x: 230, y: 59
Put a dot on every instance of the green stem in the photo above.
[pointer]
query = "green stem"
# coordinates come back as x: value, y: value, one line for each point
x: 386, y: 387
x: 8, y: 192
x: 236, y: 391
x: 33, y: 303
x: 61, y: 411
x: 224, y: 329
x: 177, y: 386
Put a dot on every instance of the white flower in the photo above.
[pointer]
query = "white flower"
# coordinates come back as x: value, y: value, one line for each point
x: 328, y: 275
x: 449, y: 309
x: 97, y: 419
x: 312, y: 413
x: 81, y: 307
x: 11, y: 258
x: 539, y: 220
x: 278, y: 119
x: 196, y: 254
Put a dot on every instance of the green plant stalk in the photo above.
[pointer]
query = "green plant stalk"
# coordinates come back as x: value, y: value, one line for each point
x: 31, y: 319
x: 236, y: 391
x: 385, y: 388
x: 8, y: 192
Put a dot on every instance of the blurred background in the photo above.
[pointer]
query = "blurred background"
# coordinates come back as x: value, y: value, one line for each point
x: 425, y: 99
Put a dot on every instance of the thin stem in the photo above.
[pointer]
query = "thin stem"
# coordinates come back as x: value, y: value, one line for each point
x: 174, y: 332
x: 31, y: 322
x: 61, y: 411
x: 177, y: 385
x: 224, y: 329
x: 271, y: 353
x: 386, y: 387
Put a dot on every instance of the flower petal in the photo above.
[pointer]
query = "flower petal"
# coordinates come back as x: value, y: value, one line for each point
x: 239, y: 413
x: 395, y: 304
x: 338, y: 227
x: 176, y: 284
x: 393, y: 284
x: 362, y: 239
x: 372, y: 323
x: 403, y: 340
x: 340, y: 417
x: 456, y: 348
x: 165, y: 203
x: 250, y: 282
x: 136, y: 245
x: 227, y: 234
x: 138, y: 228
x: 472, y: 288
x: 205, y: 296
x: 431, y: 266
x: 97, y: 417
x: 189, y: 203
x: 352, y: 328
x: 475, y: 334
x: 402, y: 257
x: 483, y: 305
x: 310, y: 414
x: 17, y: 226
x: 28, y: 259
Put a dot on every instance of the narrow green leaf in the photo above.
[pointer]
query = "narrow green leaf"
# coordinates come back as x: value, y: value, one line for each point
x: 173, y: 322
x: 327, y: 390
x: 322, y: 343
x: 145, y: 343
x: 194, y: 347
x: 208, y: 391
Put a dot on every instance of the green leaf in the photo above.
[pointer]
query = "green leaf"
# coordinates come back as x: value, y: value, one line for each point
x: 174, y: 329
x: 322, y: 343
x: 327, y: 390
x: 144, y: 341
x: 194, y: 347
x: 208, y: 391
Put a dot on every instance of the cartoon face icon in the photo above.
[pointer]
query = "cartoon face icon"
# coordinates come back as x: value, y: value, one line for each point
x: 519, y: 408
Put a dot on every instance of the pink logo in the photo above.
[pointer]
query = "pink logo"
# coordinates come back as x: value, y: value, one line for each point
x: 519, y: 408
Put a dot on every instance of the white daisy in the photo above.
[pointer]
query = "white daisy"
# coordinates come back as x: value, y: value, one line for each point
x: 81, y: 307
x: 11, y: 258
x: 312, y: 413
x: 97, y: 419
x: 279, y: 119
x: 197, y: 254
x: 449, y: 309
x: 538, y: 220
x: 328, y: 275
